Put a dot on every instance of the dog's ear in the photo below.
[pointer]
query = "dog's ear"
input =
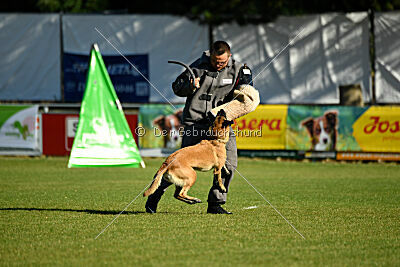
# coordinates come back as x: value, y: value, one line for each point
x: 221, y: 113
x: 159, y: 121
x: 309, y: 124
x: 179, y: 115
x: 227, y: 123
x: 331, y: 118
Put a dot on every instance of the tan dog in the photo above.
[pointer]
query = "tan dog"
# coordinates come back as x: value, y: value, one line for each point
x: 179, y: 168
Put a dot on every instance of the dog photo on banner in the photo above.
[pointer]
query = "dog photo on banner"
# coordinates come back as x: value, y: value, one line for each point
x: 322, y: 128
x: 161, y: 126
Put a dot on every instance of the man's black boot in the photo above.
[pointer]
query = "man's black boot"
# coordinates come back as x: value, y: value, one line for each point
x: 214, y: 208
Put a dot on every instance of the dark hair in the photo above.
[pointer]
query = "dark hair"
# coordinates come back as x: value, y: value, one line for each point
x: 219, y: 48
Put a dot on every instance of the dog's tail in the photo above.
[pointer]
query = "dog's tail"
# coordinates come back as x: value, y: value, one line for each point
x: 157, y: 180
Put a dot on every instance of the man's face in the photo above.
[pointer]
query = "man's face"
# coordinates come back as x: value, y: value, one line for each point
x: 220, y: 61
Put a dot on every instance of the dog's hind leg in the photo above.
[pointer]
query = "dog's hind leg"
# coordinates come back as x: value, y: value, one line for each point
x: 184, y: 191
x: 178, y: 196
x: 181, y: 194
x: 187, y: 177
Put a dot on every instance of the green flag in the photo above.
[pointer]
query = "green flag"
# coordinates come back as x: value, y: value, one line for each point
x: 103, y: 137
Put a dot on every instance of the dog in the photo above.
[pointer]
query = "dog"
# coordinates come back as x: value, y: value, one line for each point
x: 180, y: 167
x: 171, y: 125
x: 323, y: 131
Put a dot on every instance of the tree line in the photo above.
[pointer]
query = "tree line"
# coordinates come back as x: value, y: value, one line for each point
x: 205, y: 11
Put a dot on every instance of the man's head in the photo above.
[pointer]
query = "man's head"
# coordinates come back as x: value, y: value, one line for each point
x: 220, y: 54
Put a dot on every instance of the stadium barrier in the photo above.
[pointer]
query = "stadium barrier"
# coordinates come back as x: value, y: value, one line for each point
x: 295, y: 131
x: 47, y: 129
x: 59, y: 131
x: 360, y: 133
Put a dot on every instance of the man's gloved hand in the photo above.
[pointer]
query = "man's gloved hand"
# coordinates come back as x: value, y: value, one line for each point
x: 195, y: 84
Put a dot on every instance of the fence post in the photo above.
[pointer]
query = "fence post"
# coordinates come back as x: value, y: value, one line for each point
x: 61, y: 58
x: 371, y: 16
x: 210, y: 34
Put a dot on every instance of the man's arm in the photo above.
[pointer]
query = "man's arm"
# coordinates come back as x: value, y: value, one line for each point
x: 184, y: 86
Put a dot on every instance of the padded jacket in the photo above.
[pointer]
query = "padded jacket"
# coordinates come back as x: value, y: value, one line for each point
x: 216, y: 88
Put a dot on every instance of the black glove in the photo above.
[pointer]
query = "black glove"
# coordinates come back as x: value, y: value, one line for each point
x: 245, y: 76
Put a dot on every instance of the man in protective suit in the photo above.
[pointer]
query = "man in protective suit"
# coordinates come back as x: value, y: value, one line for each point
x: 220, y: 83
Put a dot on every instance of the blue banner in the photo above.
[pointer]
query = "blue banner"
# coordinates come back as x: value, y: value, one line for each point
x: 128, y: 83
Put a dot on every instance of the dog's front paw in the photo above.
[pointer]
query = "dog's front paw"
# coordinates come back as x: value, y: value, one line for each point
x: 226, y: 170
x: 196, y: 200
x: 223, y: 188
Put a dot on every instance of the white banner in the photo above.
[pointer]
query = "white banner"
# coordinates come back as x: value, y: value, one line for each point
x: 331, y: 50
x: 387, y: 53
x: 161, y: 37
x: 30, y: 57
x: 20, y: 128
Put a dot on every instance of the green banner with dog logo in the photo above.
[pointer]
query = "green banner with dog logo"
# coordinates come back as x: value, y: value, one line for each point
x: 19, y: 128
x: 160, y: 126
x: 322, y: 128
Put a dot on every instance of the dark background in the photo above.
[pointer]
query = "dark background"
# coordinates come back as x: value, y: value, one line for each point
x: 205, y: 11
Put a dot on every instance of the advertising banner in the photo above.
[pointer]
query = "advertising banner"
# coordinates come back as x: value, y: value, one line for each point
x: 19, y: 128
x: 343, y: 128
x: 322, y: 128
x: 321, y: 131
x: 262, y: 129
x: 129, y: 85
x: 160, y: 126
x: 378, y: 129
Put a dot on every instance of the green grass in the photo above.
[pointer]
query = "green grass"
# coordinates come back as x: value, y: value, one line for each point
x: 349, y: 214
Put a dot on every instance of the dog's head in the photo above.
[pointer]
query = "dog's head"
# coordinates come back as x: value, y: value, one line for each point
x: 323, y: 131
x: 220, y: 127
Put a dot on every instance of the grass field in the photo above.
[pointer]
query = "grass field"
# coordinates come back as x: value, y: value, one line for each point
x: 349, y: 214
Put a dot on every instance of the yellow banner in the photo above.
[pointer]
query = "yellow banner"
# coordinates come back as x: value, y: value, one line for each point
x: 378, y: 129
x: 264, y: 128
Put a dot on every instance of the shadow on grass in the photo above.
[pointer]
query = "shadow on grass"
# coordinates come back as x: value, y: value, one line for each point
x: 101, y: 212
